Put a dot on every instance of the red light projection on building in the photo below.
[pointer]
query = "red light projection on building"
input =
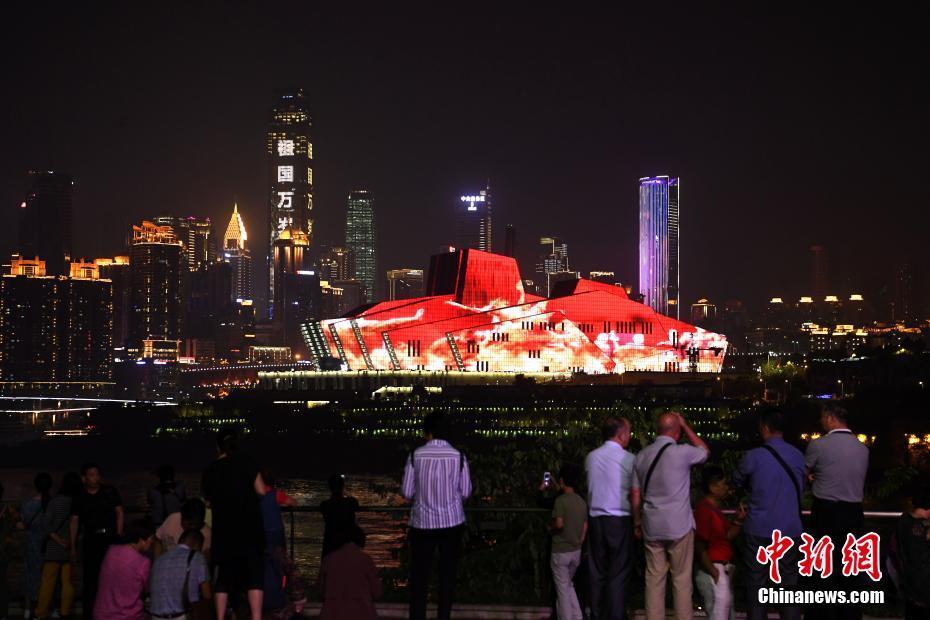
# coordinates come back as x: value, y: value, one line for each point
x: 477, y: 317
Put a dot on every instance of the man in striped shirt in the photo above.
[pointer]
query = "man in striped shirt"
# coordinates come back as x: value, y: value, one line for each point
x: 436, y: 479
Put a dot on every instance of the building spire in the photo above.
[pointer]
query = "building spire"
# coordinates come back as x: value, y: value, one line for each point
x: 236, y: 235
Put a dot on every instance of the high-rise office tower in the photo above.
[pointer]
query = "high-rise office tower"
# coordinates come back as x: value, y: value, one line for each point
x: 289, y: 148
x: 116, y: 270
x: 55, y: 328
x: 155, y: 285
x: 360, y: 238
x: 337, y: 264
x: 473, y: 227
x: 553, y: 258
x: 404, y: 284
x: 198, y: 247
x: 658, y: 244
x: 45, y: 220
x: 510, y: 241
x: 238, y: 256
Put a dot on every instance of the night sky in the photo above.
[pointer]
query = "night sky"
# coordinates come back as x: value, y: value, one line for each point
x: 785, y: 131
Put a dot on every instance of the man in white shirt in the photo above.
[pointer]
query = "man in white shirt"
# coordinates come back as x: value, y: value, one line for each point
x: 609, y: 470
x: 437, y: 480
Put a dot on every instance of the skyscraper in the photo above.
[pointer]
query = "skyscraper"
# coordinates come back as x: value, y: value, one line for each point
x: 553, y: 258
x: 55, y: 328
x: 155, y: 285
x: 337, y: 264
x: 297, y: 287
x: 116, y: 270
x: 510, y: 241
x: 290, y: 175
x: 658, y: 244
x: 198, y: 247
x: 473, y: 221
x: 238, y: 256
x: 360, y: 238
x: 45, y: 220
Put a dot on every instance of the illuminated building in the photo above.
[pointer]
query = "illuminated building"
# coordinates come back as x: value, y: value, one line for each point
x: 45, y: 220
x: 196, y: 237
x: 236, y: 332
x: 289, y: 148
x: 658, y: 243
x: 473, y: 225
x: 55, y: 328
x: 604, y: 277
x: 297, y: 288
x: 337, y: 264
x: 553, y: 258
x: 703, y: 311
x: 270, y: 355
x: 477, y: 317
x: 404, y: 284
x: 155, y: 284
x: 360, y: 239
x: 116, y: 270
x: 238, y: 256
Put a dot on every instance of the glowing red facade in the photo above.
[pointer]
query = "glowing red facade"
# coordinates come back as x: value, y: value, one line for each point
x: 477, y: 317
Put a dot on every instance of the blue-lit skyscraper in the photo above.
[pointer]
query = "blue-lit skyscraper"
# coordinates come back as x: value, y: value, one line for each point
x: 658, y: 243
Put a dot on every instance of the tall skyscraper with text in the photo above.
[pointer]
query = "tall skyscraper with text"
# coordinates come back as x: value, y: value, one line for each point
x: 658, y: 244
x: 473, y: 222
x: 289, y: 148
x: 360, y: 238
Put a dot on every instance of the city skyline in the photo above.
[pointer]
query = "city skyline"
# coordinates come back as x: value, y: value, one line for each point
x: 753, y: 189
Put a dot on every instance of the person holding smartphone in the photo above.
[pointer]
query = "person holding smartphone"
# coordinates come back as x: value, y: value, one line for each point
x: 568, y: 527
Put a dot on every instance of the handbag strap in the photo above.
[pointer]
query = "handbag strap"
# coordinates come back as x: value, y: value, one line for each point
x: 652, y: 468
x: 185, y: 593
x: 784, y: 465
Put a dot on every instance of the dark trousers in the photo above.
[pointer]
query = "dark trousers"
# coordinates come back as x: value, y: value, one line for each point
x: 95, y: 547
x: 836, y: 520
x: 757, y: 576
x: 423, y: 546
x: 4, y: 587
x: 610, y: 562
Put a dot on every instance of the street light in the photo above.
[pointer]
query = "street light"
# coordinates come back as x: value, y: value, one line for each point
x: 842, y: 390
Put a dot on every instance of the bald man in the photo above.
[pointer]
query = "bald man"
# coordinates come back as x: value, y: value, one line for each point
x: 661, y: 501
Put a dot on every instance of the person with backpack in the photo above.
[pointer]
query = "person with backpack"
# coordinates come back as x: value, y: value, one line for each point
x: 56, y: 549
x: 437, y: 481
x: 31, y: 514
x: 179, y: 579
x: 773, y: 475
x: 911, y: 550
x: 662, y: 512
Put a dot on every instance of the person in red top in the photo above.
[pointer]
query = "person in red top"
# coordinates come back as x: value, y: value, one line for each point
x: 712, y: 544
